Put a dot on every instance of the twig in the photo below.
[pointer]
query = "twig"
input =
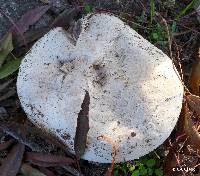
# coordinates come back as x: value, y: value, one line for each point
x: 182, y: 145
x: 180, y: 136
x: 114, y: 151
x: 156, y: 155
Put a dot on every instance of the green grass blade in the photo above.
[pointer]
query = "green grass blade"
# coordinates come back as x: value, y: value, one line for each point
x: 152, y: 10
x: 187, y: 8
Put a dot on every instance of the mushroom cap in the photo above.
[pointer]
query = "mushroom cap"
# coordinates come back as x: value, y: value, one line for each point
x: 135, y: 92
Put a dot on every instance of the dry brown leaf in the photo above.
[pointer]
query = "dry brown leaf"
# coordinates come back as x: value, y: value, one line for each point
x: 27, y: 136
x: 180, y: 123
x: 11, y: 164
x: 46, y: 171
x: 82, y: 127
x: 194, y: 103
x: 19, y: 132
x: 30, y: 171
x: 28, y: 19
x: 191, y: 131
x: 47, y: 160
x: 194, y: 80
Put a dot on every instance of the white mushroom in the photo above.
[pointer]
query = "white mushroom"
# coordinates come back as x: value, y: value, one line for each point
x: 135, y: 93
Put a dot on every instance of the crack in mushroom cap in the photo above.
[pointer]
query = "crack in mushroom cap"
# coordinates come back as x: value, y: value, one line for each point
x: 135, y: 93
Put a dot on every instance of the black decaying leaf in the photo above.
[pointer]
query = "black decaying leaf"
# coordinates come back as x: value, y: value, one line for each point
x: 82, y: 127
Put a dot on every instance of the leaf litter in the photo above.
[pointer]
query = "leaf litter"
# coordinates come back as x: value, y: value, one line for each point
x: 47, y: 160
x: 12, y: 162
x: 28, y: 19
x: 27, y: 170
